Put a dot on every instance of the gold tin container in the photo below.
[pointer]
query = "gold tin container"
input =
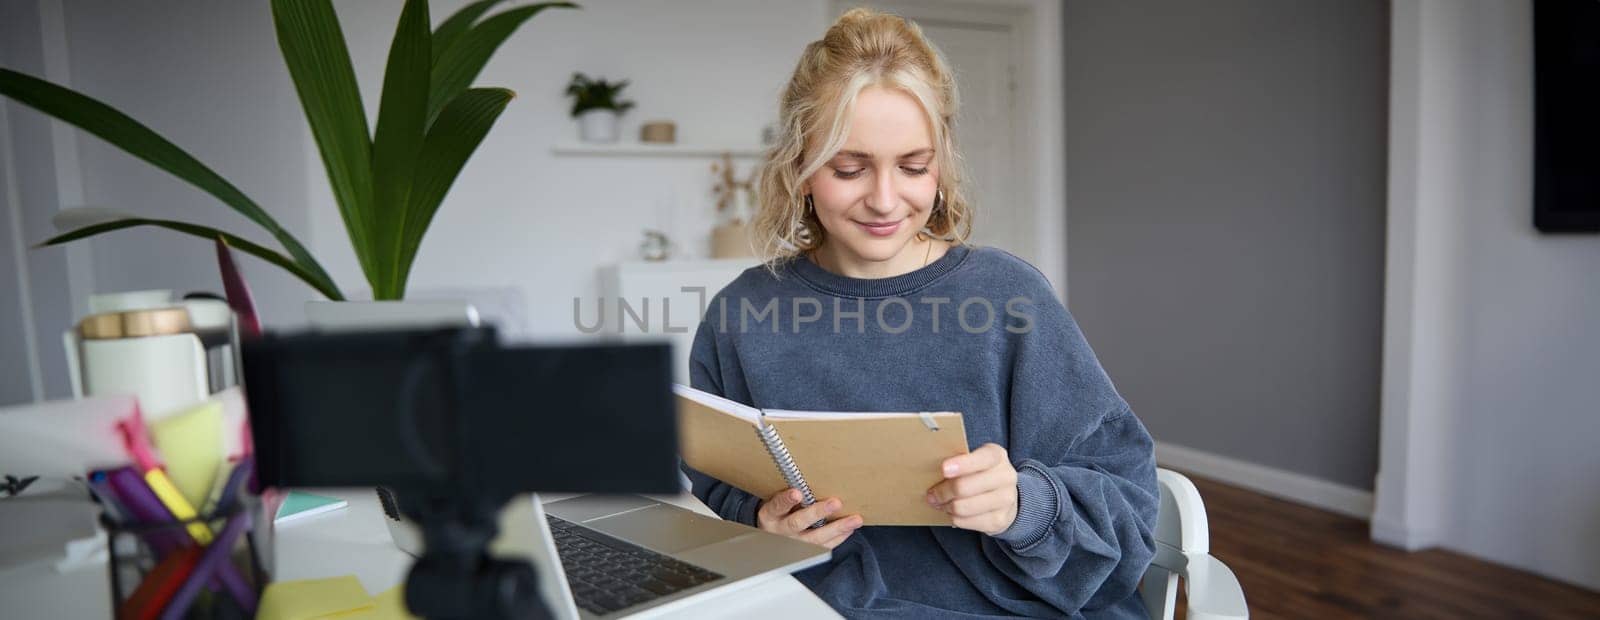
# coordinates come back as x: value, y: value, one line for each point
x: 135, y: 324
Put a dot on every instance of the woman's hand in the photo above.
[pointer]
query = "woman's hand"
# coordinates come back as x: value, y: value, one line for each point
x: 979, y: 490
x: 782, y: 514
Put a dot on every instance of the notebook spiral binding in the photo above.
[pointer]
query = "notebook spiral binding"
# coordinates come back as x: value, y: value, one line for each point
x: 785, y: 461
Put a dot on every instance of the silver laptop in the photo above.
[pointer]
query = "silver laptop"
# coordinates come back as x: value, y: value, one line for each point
x: 605, y: 556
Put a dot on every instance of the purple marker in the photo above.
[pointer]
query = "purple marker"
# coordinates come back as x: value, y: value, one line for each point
x: 144, y: 508
x: 100, y: 486
x: 213, y: 560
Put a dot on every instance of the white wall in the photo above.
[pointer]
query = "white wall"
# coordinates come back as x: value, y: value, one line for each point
x: 1491, y: 406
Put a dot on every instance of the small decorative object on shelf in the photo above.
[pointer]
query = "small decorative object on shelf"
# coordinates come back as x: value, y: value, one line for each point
x: 595, y: 105
x: 731, y: 236
x: 656, y: 247
x: 659, y: 132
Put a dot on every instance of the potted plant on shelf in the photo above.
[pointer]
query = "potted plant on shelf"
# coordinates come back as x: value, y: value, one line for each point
x: 595, y: 105
x: 388, y: 182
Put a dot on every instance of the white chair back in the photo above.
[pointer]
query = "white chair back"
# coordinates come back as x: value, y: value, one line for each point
x: 1183, y: 547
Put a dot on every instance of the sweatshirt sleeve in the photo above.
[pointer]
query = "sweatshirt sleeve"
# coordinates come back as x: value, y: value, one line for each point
x: 1087, y: 496
x: 704, y: 374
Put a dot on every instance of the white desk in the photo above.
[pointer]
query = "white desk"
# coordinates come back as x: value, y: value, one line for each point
x: 355, y: 541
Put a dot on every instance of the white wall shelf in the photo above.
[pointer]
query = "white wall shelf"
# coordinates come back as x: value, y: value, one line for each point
x: 639, y: 149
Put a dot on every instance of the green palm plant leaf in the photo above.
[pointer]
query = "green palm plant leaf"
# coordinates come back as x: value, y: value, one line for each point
x: 451, y: 140
x: 402, y: 112
x: 461, y: 62
x: 204, y: 232
x: 457, y: 24
x: 136, y: 139
x: 319, y: 63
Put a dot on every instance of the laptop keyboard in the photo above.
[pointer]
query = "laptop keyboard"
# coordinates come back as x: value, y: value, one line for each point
x: 606, y: 574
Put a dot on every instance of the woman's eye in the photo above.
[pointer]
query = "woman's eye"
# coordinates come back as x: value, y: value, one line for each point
x: 916, y: 172
x: 848, y: 174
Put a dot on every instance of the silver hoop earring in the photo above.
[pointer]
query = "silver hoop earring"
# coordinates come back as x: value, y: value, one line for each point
x: 938, y: 201
x: 810, y: 206
x: 798, y: 222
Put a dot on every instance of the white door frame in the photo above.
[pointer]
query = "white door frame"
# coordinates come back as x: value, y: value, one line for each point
x: 67, y: 180
x: 1040, y: 138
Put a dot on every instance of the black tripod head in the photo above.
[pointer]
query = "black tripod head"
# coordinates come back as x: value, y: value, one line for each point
x: 456, y: 578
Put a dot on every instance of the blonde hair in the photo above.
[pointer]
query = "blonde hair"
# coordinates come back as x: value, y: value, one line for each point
x: 862, y: 48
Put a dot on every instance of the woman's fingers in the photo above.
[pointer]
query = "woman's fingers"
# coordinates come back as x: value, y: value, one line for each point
x: 839, y: 540
x: 972, y: 485
x: 977, y: 505
x: 991, y: 521
x: 803, y: 518
x: 986, y: 456
x: 834, y: 532
x: 782, y: 514
x: 979, y: 491
x: 773, y: 510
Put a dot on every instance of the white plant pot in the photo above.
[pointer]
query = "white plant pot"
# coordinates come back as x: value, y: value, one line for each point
x: 598, y: 126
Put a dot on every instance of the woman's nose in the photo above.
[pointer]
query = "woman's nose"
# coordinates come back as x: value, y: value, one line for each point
x: 884, y: 195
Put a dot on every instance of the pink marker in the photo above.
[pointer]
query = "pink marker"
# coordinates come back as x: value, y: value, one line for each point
x: 137, y: 441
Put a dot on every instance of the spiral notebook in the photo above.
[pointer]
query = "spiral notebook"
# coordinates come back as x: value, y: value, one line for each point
x: 879, y: 464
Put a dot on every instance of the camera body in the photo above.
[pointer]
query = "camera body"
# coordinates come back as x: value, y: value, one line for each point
x: 457, y: 424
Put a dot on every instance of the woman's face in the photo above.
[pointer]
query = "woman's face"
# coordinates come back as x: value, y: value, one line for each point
x: 876, y: 194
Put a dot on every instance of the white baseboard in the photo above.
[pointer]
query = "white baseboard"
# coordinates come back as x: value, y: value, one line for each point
x: 1389, y: 533
x: 1298, y: 488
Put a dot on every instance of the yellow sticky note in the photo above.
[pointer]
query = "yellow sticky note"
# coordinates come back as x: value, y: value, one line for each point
x: 390, y: 605
x: 309, y: 599
x: 190, y: 443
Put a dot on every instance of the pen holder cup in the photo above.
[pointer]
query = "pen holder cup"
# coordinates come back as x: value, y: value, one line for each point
x: 153, y: 567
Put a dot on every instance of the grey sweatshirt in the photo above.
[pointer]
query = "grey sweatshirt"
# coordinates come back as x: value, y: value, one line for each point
x: 977, y: 331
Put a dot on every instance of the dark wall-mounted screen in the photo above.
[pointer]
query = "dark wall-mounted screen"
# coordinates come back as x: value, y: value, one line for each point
x: 1566, y: 196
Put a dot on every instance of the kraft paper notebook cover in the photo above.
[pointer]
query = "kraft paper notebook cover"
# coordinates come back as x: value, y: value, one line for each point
x: 879, y: 464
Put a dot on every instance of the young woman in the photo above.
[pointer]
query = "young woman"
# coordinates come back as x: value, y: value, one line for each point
x: 870, y: 300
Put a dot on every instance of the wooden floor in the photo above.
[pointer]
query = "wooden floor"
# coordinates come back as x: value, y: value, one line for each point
x: 1299, y: 562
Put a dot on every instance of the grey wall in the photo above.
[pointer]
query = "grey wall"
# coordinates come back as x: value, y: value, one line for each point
x: 1225, y: 199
